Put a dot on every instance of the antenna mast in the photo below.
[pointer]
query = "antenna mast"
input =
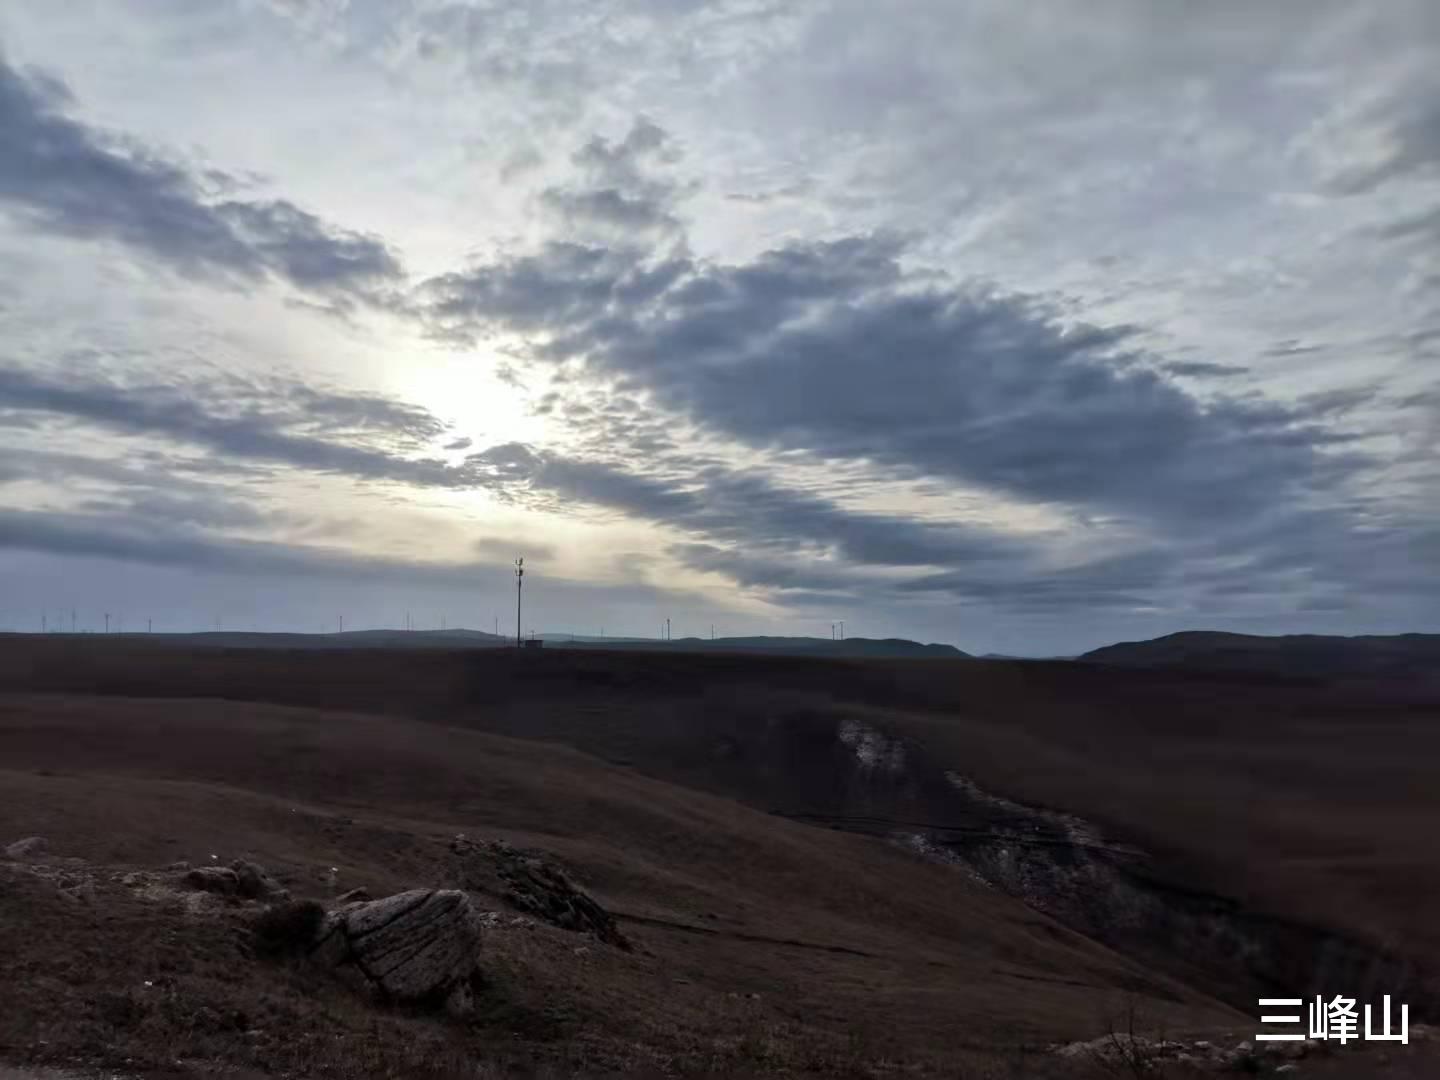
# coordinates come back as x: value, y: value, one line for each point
x: 519, y: 580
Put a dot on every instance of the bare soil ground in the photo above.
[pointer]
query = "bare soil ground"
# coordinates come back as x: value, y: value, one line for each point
x: 765, y: 944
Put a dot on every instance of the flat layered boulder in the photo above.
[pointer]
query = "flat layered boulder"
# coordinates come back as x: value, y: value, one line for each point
x: 531, y: 884
x: 420, y: 947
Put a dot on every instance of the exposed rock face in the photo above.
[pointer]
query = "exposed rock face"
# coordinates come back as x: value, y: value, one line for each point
x: 240, y: 879
x: 1123, y: 1053
x: 255, y: 884
x: 532, y: 885
x: 32, y: 847
x: 421, y: 946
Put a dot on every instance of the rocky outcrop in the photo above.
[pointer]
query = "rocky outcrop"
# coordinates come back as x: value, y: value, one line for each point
x: 32, y: 847
x: 530, y: 884
x: 242, y: 880
x: 420, y: 947
x: 1122, y: 1053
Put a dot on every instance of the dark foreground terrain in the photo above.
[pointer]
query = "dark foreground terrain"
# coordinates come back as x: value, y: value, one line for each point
x: 824, y: 867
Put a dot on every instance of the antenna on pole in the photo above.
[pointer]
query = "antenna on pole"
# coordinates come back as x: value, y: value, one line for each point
x: 519, y: 580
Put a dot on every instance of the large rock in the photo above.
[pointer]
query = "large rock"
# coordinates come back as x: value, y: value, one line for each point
x: 421, y: 947
x: 530, y: 884
x: 32, y: 847
x: 240, y: 879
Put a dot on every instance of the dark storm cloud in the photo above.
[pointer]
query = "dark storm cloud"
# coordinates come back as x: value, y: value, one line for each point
x: 61, y: 176
x: 834, y: 350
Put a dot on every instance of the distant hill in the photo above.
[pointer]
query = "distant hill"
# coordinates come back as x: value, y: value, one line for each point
x: 788, y: 646
x: 470, y: 639
x: 1401, y: 655
x: 350, y: 639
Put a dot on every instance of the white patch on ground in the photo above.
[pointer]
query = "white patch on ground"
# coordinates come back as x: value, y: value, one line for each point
x: 926, y: 848
x: 1075, y: 830
x: 874, y: 749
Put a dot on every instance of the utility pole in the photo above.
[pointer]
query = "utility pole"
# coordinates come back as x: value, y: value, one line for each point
x: 149, y: 626
x: 519, y: 580
x: 667, y: 629
x: 342, y: 624
x: 842, y: 629
x: 44, y: 624
x: 72, y: 620
x: 107, y: 622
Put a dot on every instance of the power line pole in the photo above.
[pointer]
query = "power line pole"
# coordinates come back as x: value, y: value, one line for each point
x: 149, y: 626
x: 842, y: 629
x: 72, y: 620
x: 107, y: 622
x: 519, y: 580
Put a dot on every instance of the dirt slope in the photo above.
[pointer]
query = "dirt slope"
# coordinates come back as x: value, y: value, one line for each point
x: 1291, y: 798
x: 843, y: 939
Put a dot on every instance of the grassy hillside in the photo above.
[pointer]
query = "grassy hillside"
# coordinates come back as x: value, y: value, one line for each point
x: 1306, y: 655
x: 744, y: 814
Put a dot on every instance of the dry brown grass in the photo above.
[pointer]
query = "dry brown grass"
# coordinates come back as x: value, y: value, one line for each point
x: 766, y: 946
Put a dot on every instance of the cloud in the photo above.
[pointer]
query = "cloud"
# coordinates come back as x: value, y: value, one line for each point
x: 60, y: 176
x: 617, y: 196
x: 1202, y: 370
x: 1390, y: 136
x: 507, y: 549
x: 273, y: 421
x: 179, y: 560
x: 833, y: 349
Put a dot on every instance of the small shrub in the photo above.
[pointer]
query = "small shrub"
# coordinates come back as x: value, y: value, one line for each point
x: 289, y: 928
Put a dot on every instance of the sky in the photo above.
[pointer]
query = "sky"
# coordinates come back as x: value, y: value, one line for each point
x: 1022, y: 327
